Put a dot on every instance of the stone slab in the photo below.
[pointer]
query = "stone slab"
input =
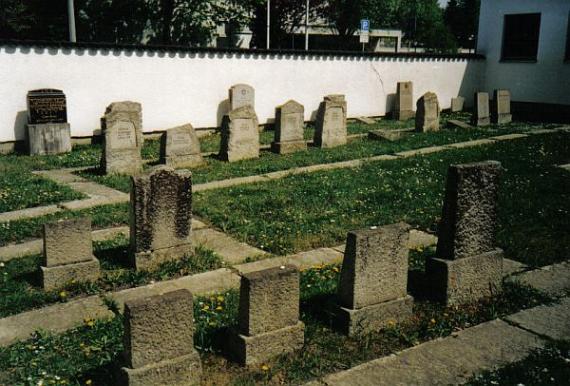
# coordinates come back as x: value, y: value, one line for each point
x: 453, y: 123
x: 423, y: 151
x: 28, y: 213
x: 511, y: 267
x: 288, y: 147
x: 366, y: 120
x: 181, y: 371
x: 389, y: 135
x: 49, y: 138
x: 551, y: 321
x: 228, y: 248
x: 565, y: 167
x: 421, y: 239
x: 67, y: 241
x: 508, y: 137
x: 552, y: 279
x: 477, y: 142
x: 58, y: 276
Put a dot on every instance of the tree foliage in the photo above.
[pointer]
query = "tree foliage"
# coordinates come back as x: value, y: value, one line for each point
x: 462, y: 17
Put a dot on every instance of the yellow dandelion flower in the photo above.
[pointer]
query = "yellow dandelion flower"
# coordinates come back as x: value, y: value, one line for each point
x: 432, y: 321
x: 265, y: 367
x: 220, y: 298
x: 63, y: 294
x: 206, y: 307
x: 88, y: 382
x: 219, y: 308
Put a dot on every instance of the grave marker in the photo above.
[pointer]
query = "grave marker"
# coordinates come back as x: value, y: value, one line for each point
x: 427, y: 115
x: 240, y: 135
x: 330, y: 130
x: 481, y: 111
x: 242, y: 95
x: 180, y: 147
x: 457, y: 104
x: 289, y: 128
x: 404, y: 101
x: 502, y: 107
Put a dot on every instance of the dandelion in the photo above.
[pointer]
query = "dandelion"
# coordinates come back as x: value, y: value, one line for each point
x: 432, y: 321
x: 63, y: 294
x: 220, y: 298
x: 2, y: 265
x: 219, y: 308
x: 265, y: 367
x: 88, y: 382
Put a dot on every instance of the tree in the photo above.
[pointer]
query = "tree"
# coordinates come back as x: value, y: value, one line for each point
x: 462, y: 17
x: 15, y: 18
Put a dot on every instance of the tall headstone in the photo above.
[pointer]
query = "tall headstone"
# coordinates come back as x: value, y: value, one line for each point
x: 468, y: 265
x: 427, y: 114
x: 481, y: 110
x: 502, y: 107
x: 159, y: 341
x: 457, y: 104
x: 330, y: 130
x: 161, y: 217
x: 180, y: 147
x: 123, y: 139
x: 404, y: 101
x: 47, y: 131
x: 68, y: 254
x: 373, y: 281
x: 242, y: 95
x: 268, y: 323
x: 240, y: 135
x: 289, y: 128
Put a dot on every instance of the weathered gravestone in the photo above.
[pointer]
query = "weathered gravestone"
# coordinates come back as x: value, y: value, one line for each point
x: 457, y: 104
x: 159, y: 341
x: 68, y: 254
x: 180, y: 147
x: 481, y: 110
x: 330, y: 130
x: 289, y: 128
x: 372, y: 290
x: 123, y: 139
x: 427, y: 114
x: 502, y: 107
x: 47, y: 131
x: 468, y: 264
x: 242, y: 95
x: 268, y: 322
x: 240, y: 135
x: 161, y: 217
x: 404, y: 101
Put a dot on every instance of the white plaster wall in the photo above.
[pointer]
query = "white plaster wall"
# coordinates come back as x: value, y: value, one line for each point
x: 548, y: 80
x: 177, y: 88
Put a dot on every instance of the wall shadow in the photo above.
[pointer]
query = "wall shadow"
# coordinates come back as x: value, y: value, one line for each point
x: 20, y: 135
x: 390, y: 104
x: 223, y: 110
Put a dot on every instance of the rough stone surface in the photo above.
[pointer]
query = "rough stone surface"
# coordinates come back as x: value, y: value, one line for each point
x: 180, y: 147
x: 330, y: 126
x: 123, y: 139
x: 457, y: 104
x: 228, y: 248
x: 452, y: 123
x: 404, y: 108
x: 58, y: 276
x: 481, y: 115
x: 269, y: 300
x: 181, y: 371
x: 552, y: 279
x: 240, y: 135
x: 469, y: 218
x: 552, y: 321
x: 289, y: 128
x: 242, y: 95
x: 502, y: 107
x: 67, y: 242
x: 48, y: 138
x: 375, y: 266
x: 389, y: 135
x: 161, y: 217
x: 366, y: 120
x: 427, y: 114
x: 467, y: 279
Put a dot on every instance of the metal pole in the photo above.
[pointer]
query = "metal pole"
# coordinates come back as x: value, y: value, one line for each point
x: 307, y: 28
x: 71, y: 20
x: 268, y: 21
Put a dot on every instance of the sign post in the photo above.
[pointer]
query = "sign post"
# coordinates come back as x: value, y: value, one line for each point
x: 364, y: 32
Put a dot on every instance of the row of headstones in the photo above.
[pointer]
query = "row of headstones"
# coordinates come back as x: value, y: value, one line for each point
x: 372, y: 291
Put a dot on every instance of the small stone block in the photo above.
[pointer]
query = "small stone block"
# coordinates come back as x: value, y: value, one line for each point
x: 466, y: 280
x: 49, y: 138
x: 481, y: 115
x: 427, y: 115
x: 366, y: 120
x: 503, y: 119
x: 254, y: 350
x: 150, y: 260
x: 361, y: 321
x: 181, y: 371
x: 240, y: 135
x: 404, y: 108
x: 457, y: 104
x: 389, y: 135
x: 288, y: 147
x: 58, y: 276
x: 67, y: 242
x: 454, y: 123
x: 180, y: 148
x: 330, y: 125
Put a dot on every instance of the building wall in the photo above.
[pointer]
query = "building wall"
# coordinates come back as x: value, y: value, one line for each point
x: 547, y: 80
x: 192, y: 87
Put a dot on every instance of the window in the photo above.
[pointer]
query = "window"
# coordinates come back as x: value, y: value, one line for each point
x: 520, y: 37
x: 567, y: 56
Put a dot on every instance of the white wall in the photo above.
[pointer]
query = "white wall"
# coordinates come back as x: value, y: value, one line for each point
x: 548, y: 80
x: 177, y: 88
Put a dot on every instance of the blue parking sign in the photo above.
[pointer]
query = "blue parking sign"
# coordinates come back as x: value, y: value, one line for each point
x: 365, y: 25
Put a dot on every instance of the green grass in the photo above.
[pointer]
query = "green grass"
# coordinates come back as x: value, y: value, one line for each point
x: 307, y: 211
x: 19, y: 279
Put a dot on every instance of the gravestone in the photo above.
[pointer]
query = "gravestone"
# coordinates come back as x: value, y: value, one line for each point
x: 240, y: 135
x: 502, y: 107
x: 159, y: 341
x: 268, y: 321
x: 122, y: 139
x: 47, y: 131
x: 427, y: 114
x: 161, y: 217
x: 372, y: 290
x: 180, y: 147
x: 330, y: 127
x: 457, y: 104
x: 468, y: 265
x: 289, y: 128
x: 481, y: 110
x: 68, y: 254
x: 242, y: 95
x: 404, y: 101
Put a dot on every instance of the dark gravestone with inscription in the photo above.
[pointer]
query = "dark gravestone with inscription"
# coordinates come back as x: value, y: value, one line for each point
x: 48, y: 131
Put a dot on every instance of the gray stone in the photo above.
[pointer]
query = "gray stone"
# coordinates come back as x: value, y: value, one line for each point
x: 67, y: 242
x: 481, y: 110
x: 453, y: 123
x: 389, y: 135
x: 404, y: 101
x: 551, y: 321
x: 427, y: 114
x: 58, y: 276
x: 240, y: 135
x: 289, y: 128
x: 49, y: 138
x: 551, y: 279
x: 469, y: 218
x: 330, y: 130
x: 242, y: 95
x: 180, y: 148
x: 457, y: 104
x: 366, y: 120
x: 502, y: 107
x: 159, y: 340
x: 161, y: 217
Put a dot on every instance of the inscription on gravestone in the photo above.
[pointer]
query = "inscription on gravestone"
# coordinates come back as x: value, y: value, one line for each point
x: 47, y: 106
x: 125, y: 136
